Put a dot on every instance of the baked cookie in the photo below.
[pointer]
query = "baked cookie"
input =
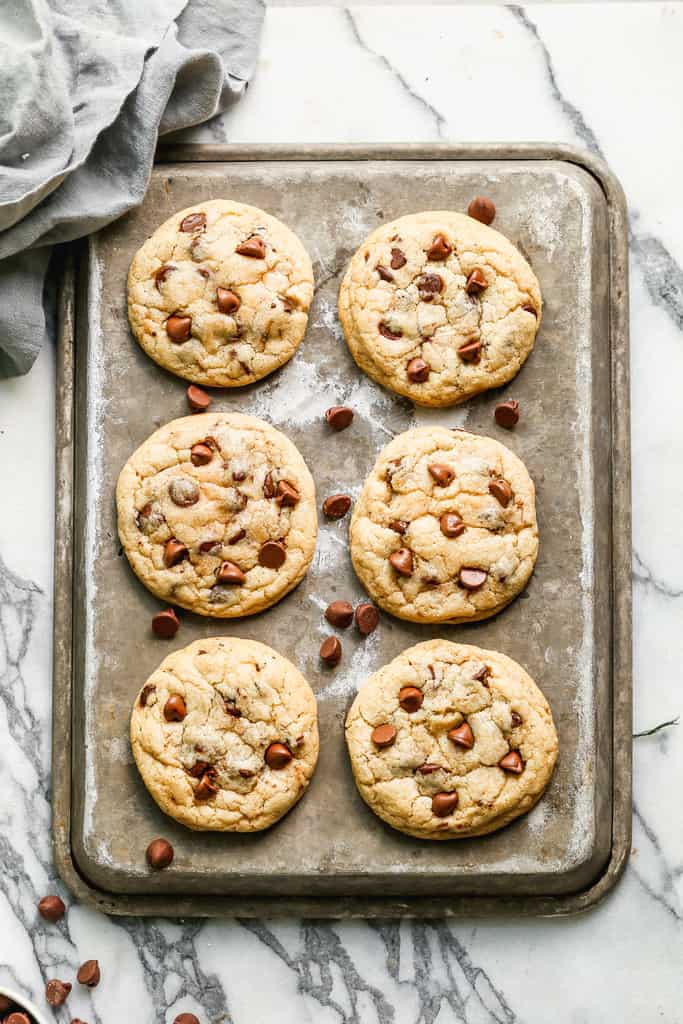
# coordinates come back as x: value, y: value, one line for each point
x: 445, y: 527
x: 225, y: 735
x: 219, y: 294
x: 448, y: 740
x: 217, y: 514
x: 438, y: 307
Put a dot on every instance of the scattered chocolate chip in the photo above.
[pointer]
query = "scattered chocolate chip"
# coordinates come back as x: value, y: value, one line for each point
x: 56, y: 992
x: 197, y: 399
x: 399, y: 526
x: 398, y: 259
x: 429, y: 769
x: 472, y: 579
x: 402, y: 561
x: 287, y: 495
x: 410, y: 698
x: 183, y: 491
x: 383, y: 735
x: 482, y: 209
x: 166, y: 623
x: 254, y: 247
x: 512, y: 762
x: 418, y: 370
x: 206, y: 788
x: 439, y: 249
x: 17, y: 1017
x: 278, y: 755
x: 237, y: 537
x: 507, y: 414
x: 429, y: 285
x: 385, y: 274
x: 462, y: 736
x: 51, y: 908
x: 272, y: 554
x: 336, y: 506
x: 387, y: 332
x: 174, y: 552
x: 227, y: 301
x: 339, y: 417
x: 178, y: 327
x: 230, y: 573
x: 146, y: 693
x: 162, y: 273
x: 200, y: 454
x: 476, y: 282
x: 516, y: 719
x: 339, y: 614
x: 444, y: 804
x: 470, y: 351
x: 367, y: 618
x: 193, y: 222
x: 186, y: 1018
x: 451, y: 524
x: 159, y: 854
x: 501, y: 491
x: 331, y: 651
x: 482, y: 673
x: 89, y: 974
x: 174, y: 708
x: 441, y: 473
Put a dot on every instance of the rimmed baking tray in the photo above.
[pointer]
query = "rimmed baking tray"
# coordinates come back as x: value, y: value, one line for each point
x: 571, y: 628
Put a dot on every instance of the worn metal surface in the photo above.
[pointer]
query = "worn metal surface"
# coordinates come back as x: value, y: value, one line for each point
x: 571, y: 627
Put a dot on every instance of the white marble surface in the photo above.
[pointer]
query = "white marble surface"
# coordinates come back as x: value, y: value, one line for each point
x: 608, y: 77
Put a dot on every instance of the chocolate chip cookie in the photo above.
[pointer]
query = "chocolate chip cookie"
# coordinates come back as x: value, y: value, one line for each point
x: 445, y: 527
x: 438, y: 307
x: 217, y: 513
x: 219, y: 294
x: 449, y: 740
x: 225, y: 735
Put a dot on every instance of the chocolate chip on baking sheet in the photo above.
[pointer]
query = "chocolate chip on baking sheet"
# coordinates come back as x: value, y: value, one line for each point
x: 51, y: 908
x: 228, y: 302
x: 462, y: 736
x: 178, y: 327
x: 501, y: 491
x: 444, y: 804
x: 383, y: 735
x: 339, y: 417
x: 418, y: 370
x: 451, y: 524
x: 482, y: 209
x: 197, y: 399
x: 336, y: 506
x: 174, y: 708
x: 165, y: 623
x: 254, y: 247
x: 410, y: 698
x: 200, y: 454
x: 506, y: 414
x: 193, y: 222
x: 476, y: 282
x: 174, y: 552
x: 278, y: 755
x: 339, y: 614
x: 230, y: 573
x: 272, y: 554
x: 159, y: 854
x: 331, y: 651
x: 441, y: 473
x: 440, y: 249
x: 56, y: 991
x: 402, y: 561
x: 367, y: 618
x: 472, y: 579
x: 512, y: 762
x: 89, y: 974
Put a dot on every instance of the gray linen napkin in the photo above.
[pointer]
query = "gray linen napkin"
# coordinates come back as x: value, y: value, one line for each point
x: 86, y: 87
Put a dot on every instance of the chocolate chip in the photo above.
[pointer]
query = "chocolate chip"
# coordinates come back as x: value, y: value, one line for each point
x: 17, y: 1017
x: 230, y: 709
x: 482, y: 209
x: 472, y: 579
x: 186, y: 1018
x: 339, y: 417
x: 512, y: 762
x: 383, y: 735
x: 441, y: 473
x: 227, y: 301
x: 399, y: 526
x: 268, y: 486
x: 482, y: 673
x: 287, y: 495
x: 197, y: 399
x: 507, y: 414
x: 410, y: 698
x: 51, y: 908
x: 429, y: 769
x: 89, y: 974
x: 339, y: 614
x: 183, y: 491
x: 387, y: 332
x: 476, y: 282
x: 237, y: 537
x: 201, y: 768
x: 210, y: 546
x: 56, y: 992
x: 174, y: 552
x: 278, y: 755
x: 470, y: 351
x: 159, y: 854
x: 462, y: 736
x: 331, y: 651
x: 174, y: 708
x: 402, y: 561
x: 206, y: 788
x: 146, y: 693
x: 429, y: 285
x: 166, y: 623
x: 178, y: 327
x: 193, y: 222
x: 530, y: 309
x: 200, y: 454
x: 367, y: 618
x: 451, y: 524
x: 418, y: 370
x: 501, y: 491
x: 336, y: 506
x: 398, y: 259
x: 516, y: 719
x: 444, y: 804
x: 254, y: 247
x: 385, y: 274
x: 162, y: 273
x: 439, y: 249
x: 230, y: 573
x: 272, y: 554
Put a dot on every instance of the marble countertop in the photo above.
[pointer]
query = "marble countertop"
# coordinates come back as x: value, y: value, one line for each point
x: 605, y: 76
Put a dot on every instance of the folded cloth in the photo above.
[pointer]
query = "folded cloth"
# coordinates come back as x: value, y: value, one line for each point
x: 86, y: 88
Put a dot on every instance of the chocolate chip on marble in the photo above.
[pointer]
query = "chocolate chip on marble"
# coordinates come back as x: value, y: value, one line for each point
x: 470, y: 352
x: 331, y: 651
x: 287, y: 495
x: 178, y: 327
x: 162, y: 273
x: 410, y: 698
x: 254, y: 247
x: 501, y: 491
x: 441, y: 473
x: 174, y: 708
x: 506, y: 414
x: 230, y: 573
x: 146, y: 693
x: 89, y: 974
x: 462, y: 736
x: 278, y: 755
x: 206, y: 788
x: 476, y: 282
x: 439, y: 249
x: 193, y: 222
x: 56, y: 992
x: 183, y: 491
x: 402, y: 561
x: 367, y: 618
x: 174, y: 552
x: 399, y: 526
x: 339, y: 614
x: 339, y: 417
x: 336, y: 506
x: 472, y: 579
x: 451, y: 524
x: 272, y: 554
x: 482, y: 209
x: 269, y: 489
x: 51, y: 908
x: 228, y: 302
x: 385, y: 274
x: 197, y: 399
x: 388, y: 332
x: 166, y: 623
x: 444, y: 804
x: 398, y: 259
x: 383, y: 735
x: 512, y: 762
x: 418, y: 370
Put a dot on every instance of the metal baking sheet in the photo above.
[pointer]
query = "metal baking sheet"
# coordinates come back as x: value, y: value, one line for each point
x: 570, y: 628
